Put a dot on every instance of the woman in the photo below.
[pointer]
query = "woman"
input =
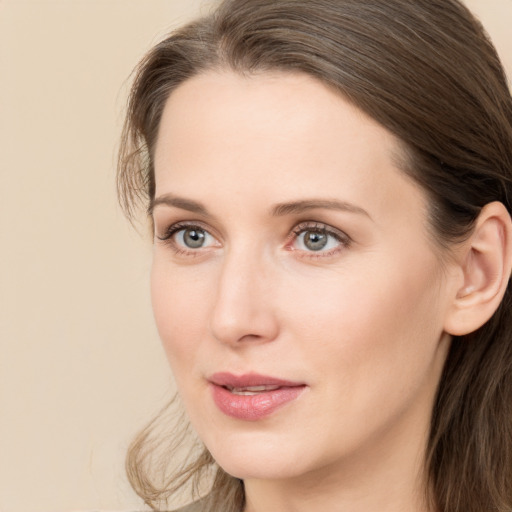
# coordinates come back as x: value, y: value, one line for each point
x: 329, y: 184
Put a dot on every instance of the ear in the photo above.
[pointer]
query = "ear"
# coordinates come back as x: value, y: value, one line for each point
x: 485, y: 265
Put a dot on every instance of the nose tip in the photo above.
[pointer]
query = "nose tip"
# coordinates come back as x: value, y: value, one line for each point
x: 243, y: 310
x: 236, y: 329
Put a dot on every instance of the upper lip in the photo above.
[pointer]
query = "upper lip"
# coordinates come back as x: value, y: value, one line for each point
x: 227, y: 379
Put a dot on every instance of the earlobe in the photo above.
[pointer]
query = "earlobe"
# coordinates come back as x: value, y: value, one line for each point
x: 486, y: 263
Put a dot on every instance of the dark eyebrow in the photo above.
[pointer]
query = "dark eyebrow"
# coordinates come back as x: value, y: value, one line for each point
x: 178, y: 202
x: 296, y: 207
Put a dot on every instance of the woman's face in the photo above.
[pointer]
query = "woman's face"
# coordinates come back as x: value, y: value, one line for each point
x: 297, y: 293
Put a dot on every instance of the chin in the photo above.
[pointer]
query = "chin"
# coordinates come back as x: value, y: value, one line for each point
x: 259, y: 456
x: 259, y: 468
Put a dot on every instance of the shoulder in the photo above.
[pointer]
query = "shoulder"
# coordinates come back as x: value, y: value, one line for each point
x: 193, y: 507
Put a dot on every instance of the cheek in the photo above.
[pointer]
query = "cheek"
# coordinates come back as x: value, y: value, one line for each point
x: 181, y: 301
x: 384, y: 323
x: 370, y: 347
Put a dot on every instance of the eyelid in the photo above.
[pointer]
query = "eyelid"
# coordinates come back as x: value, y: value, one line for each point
x: 179, y: 250
x: 344, y: 240
x: 174, y: 227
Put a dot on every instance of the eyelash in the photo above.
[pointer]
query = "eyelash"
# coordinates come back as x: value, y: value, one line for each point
x: 344, y: 241
x: 342, y: 238
x: 168, y: 239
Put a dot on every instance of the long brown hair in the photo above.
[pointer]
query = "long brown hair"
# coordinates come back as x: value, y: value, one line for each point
x: 426, y: 71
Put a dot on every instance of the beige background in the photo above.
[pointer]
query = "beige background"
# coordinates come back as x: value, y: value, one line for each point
x: 80, y: 363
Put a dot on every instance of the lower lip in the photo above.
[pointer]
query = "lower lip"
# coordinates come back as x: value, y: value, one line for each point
x: 254, y: 407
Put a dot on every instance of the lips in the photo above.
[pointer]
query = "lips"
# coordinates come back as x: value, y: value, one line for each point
x: 252, y: 397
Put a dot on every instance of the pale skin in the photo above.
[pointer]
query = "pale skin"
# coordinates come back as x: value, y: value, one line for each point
x: 256, y: 165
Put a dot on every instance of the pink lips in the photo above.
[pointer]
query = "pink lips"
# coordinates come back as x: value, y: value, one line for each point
x: 252, y: 397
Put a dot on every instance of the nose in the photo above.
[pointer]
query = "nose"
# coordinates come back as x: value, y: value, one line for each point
x: 243, y: 310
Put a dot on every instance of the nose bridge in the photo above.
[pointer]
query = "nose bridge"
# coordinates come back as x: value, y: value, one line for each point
x: 242, y: 310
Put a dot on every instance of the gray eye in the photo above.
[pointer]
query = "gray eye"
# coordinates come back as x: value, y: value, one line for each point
x: 315, y: 240
x: 194, y: 238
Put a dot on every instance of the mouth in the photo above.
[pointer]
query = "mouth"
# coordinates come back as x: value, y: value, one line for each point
x: 252, y: 397
x: 250, y: 390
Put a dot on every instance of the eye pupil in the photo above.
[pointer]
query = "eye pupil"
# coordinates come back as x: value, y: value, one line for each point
x: 314, y: 240
x: 194, y: 238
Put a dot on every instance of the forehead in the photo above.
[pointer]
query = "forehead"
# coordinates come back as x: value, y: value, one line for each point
x: 269, y: 106
x: 273, y: 135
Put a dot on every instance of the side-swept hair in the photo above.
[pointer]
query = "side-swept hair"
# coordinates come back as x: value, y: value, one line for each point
x: 427, y: 72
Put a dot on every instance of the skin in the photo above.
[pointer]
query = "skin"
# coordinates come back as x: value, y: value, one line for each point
x: 361, y: 323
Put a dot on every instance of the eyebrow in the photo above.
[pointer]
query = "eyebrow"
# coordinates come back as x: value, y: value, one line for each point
x: 279, y: 210
x: 296, y: 207
x: 178, y: 202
